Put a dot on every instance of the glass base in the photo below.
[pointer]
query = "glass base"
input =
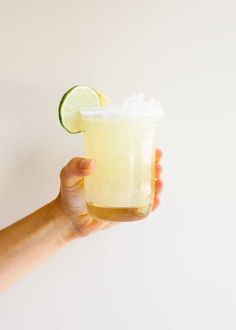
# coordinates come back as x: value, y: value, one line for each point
x: 119, y: 213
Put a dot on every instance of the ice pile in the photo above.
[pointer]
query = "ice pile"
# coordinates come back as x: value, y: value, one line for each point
x: 138, y: 104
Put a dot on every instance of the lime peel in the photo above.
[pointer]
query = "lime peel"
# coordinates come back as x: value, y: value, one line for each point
x: 76, y: 99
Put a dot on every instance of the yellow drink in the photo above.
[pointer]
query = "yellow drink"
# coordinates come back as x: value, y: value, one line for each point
x: 122, y: 186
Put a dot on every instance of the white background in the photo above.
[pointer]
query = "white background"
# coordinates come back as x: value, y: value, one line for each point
x: 176, y: 270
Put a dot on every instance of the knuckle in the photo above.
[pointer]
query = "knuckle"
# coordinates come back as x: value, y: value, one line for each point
x: 66, y: 169
x: 73, y: 161
x: 62, y: 173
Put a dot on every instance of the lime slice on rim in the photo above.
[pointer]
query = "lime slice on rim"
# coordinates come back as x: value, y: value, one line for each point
x: 78, y: 98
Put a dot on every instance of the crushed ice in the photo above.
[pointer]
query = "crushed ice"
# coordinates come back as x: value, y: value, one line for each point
x: 138, y: 104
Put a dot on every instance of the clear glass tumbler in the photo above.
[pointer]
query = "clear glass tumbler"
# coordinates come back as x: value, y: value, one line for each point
x: 122, y: 186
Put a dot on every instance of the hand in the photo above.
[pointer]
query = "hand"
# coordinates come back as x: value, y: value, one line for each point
x: 158, y: 181
x: 71, y: 201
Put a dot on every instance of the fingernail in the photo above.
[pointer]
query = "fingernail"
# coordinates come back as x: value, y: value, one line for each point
x: 86, y: 163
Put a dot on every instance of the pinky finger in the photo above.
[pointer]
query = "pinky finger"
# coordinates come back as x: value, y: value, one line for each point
x: 156, y: 203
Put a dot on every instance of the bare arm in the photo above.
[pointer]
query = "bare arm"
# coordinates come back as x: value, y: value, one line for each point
x: 25, y: 244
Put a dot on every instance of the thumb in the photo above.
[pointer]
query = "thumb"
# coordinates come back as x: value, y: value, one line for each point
x: 75, y: 170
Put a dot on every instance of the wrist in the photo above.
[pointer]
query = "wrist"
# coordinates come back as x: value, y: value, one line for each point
x: 63, y: 224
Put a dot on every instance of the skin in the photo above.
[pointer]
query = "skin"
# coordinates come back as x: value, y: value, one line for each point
x: 29, y: 241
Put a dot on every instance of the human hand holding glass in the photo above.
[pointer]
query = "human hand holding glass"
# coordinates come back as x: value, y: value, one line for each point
x: 71, y: 201
x: 29, y: 241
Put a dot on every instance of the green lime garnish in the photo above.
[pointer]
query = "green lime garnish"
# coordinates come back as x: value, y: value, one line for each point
x: 77, y: 99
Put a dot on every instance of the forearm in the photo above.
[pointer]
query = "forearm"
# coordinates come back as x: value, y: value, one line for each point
x: 29, y: 241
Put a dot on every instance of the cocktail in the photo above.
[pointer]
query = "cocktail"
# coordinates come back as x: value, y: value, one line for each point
x: 122, y: 140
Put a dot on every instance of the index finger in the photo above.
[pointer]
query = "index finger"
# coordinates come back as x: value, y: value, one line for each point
x: 158, y: 155
x: 77, y: 168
